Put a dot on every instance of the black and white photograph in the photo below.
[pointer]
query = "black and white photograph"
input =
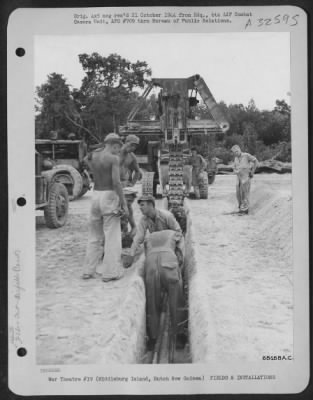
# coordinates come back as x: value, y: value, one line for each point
x: 200, y: 129
x: 166, y: 201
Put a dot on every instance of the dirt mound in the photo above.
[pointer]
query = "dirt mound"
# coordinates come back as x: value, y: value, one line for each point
x: 261, y: 196
x: 275, y: 225
x: 84, y: 321
x: 240, y: 288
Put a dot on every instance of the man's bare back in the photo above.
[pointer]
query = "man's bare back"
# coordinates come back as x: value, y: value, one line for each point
x: 104, y: 165
x: 101, y: 165
x: 127, y: 165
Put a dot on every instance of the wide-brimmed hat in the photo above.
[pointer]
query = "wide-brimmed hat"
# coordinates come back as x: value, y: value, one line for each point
x: 146, y: 197
x: 113, y: 138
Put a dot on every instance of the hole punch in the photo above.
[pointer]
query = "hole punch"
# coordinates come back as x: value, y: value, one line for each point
x: 21, y: 352
x: 21, y: 201
x: 20, y: 52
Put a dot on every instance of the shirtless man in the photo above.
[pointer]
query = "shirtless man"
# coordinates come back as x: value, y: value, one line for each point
x: 108, y: 203
x: 130, y: 171
x: 130, y: 174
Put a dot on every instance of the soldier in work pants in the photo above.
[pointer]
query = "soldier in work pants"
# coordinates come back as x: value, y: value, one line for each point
x: 163, y: 274
x: 244, y: 166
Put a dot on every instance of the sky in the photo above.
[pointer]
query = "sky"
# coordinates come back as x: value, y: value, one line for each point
x: 235, y: 66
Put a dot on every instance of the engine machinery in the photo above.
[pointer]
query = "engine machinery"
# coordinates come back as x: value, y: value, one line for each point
x: 170, y: 135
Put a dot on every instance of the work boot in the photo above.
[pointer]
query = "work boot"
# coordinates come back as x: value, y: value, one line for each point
x: 243, y: 212
x: 115, y: 278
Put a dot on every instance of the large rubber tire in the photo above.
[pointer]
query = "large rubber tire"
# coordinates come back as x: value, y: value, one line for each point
x: 77, y: 180
x: 147, y: 183
x: 56, y: 210
x: 203, y: 185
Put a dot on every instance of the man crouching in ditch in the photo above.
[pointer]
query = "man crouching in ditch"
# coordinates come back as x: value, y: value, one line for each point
x: 244, y: 166
x: 164, y: 251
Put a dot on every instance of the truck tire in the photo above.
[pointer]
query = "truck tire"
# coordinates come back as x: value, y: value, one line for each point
x: 203, y: 185
x: 57, y: 208
x: 147, y: 183
x: 77, y: 180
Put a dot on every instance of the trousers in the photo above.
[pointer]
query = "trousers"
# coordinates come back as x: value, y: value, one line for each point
x: 163, y: 274
x: 243, y: 193
x: 104, y: 246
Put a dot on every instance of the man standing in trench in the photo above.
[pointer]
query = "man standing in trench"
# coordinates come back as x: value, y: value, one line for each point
x: 162, y: 267
x: 108, y: 203
x: 244, y: 166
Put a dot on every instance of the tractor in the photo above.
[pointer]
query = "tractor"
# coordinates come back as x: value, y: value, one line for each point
x: 169, y: 136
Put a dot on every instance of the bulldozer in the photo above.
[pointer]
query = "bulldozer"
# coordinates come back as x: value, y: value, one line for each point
x: 169, y: 135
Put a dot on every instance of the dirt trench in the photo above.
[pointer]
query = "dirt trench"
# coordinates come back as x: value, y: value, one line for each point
x: 84, y: 321
x: 241, y: 273
x: 240, y: 284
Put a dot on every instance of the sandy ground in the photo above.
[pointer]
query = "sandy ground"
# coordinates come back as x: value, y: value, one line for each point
x: 241, y: 297
x: 83, y: 321
x: 242, y: 291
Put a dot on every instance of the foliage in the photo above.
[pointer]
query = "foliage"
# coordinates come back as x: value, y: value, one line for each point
x: 107, y: 89
x: 265, y: 134
x: 282, y: 107
x: 101, y: 104
x: 279, y: 151
x: 108, y: 93
x: 54, y: 104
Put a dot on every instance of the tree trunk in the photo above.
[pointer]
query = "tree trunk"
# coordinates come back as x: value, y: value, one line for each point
x: 115, y: 127
x: 80, y: 125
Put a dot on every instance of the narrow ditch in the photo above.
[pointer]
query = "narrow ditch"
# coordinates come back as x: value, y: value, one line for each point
x: 160, y: 355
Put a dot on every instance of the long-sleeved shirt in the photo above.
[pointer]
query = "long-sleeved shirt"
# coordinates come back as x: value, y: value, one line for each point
x: 242, y: 165
x: 163, y: 220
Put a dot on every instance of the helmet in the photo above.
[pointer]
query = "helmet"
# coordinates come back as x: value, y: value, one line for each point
x: 147, y: 197
x: 113, y: 138
x: 132, y: 139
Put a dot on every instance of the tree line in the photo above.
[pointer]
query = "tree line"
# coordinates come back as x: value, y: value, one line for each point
x: 109, y: 90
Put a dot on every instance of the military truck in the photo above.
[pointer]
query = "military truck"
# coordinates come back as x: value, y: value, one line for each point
x: 168, y: 136
x: 67, y: 156
x: 51, y: 194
